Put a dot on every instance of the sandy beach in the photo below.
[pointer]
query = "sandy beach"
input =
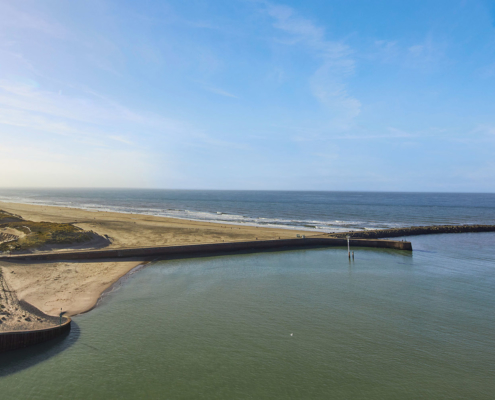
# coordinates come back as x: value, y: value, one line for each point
x: 75, y: 287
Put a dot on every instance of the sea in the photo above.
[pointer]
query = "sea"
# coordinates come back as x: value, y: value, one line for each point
x: 320, y: 211
x: 299, y: 324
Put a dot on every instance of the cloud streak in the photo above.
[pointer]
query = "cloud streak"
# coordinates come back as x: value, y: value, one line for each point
x: 20, y: 20
x: 221, y: 92
x: 52, y: 112
x: 328, y: 82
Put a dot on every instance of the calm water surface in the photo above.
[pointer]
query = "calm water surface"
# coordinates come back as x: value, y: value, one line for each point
x: 288, y: 325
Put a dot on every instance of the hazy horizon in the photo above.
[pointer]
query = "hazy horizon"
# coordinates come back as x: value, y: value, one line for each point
x: 233, y: 190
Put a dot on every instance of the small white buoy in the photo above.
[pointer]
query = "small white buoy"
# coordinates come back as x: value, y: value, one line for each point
x: 291, y: 334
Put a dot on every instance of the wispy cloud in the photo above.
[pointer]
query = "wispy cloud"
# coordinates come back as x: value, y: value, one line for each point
x: 483, y: 130
x: 328, y: 82
x: 399, y: 133
x: 219, y: 91
x: 386, y: 51
x: 19, y: 19
x: 425, y: 55
x: 390, y: 133
x: 302, y: 135
x: 85, y: 115
x: 92, y: 123
x: 121, y: 139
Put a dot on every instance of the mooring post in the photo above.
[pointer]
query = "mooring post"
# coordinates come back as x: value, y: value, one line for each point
x: 353, y: 255
x: 348, y: 247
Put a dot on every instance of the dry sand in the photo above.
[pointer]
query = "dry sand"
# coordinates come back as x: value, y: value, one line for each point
x: 76, y: 286
x: 73, y: 287
x: 13, y: 314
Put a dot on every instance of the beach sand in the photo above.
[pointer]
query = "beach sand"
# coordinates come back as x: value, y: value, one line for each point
x: 76, y: 287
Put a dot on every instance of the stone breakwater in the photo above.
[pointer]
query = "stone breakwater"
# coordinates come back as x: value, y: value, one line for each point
x: 14, y: 340
x: 22, y: 324
x: 417, y: 230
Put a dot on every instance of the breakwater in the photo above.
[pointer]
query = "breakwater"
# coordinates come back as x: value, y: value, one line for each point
x: 209, y: 249
x: 13, y: 340
x: 417, y: 230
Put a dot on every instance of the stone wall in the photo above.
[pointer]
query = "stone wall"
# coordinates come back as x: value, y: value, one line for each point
x: 18, y: 339
x: 418, y: 230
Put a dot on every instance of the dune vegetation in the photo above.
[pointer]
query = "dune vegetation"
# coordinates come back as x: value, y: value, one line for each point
x: 17, y: 234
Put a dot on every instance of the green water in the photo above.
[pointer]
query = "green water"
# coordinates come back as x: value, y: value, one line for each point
x: 390, y: 325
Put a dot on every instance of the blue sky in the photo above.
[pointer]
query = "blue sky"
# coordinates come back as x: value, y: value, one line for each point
x: 247, y: 94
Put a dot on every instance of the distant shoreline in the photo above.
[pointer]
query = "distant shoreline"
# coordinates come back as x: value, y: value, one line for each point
x: 235, y: 220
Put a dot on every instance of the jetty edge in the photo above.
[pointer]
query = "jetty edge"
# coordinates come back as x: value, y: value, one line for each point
x: 368, y: 238
x: 18, y: 339
x: 416, y: 231
x: 209, y: 249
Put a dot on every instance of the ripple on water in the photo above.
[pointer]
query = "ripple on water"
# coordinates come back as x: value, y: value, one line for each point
x: 298, y: 324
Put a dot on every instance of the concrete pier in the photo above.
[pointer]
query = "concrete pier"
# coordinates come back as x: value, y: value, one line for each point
x: 200, y: 250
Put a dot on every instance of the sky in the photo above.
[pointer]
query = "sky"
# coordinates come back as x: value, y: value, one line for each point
x: 372, y: 95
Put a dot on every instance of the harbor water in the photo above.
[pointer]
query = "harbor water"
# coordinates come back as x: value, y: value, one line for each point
x: 305, y: 324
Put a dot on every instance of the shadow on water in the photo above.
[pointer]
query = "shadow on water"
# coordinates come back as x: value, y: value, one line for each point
x: 15, y: 361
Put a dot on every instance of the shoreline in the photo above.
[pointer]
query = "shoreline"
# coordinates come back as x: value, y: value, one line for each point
x: 304, y: 228
x: 118, y: 284
x: 76, y: 286
x: 190, y: 231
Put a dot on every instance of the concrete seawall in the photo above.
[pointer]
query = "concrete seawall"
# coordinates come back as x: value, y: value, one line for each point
x: 209, y: 249
x: 18, y: 339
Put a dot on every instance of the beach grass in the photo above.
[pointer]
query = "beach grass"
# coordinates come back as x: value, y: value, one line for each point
x: 34, y: 235
x: 8, y: 217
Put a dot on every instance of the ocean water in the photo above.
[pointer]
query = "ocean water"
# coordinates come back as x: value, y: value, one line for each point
x: 305, y: 324
x: 322, y: 211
